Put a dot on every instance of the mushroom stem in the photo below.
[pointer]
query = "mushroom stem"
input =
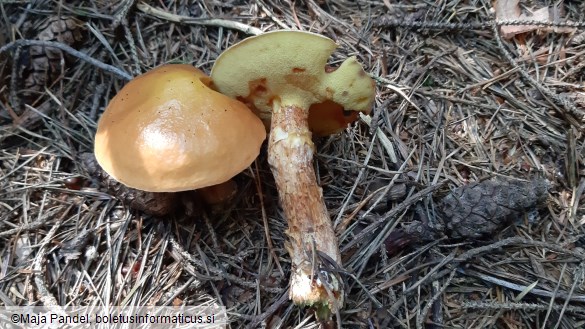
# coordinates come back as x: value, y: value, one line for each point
x: 290, y: 155
x: 219, y: 194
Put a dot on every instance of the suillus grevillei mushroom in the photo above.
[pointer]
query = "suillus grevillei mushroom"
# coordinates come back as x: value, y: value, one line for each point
x: 168, y: 131
x: 284, y: 78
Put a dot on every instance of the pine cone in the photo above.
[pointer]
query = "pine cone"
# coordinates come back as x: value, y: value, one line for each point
x: 479, y: 209
x: 473, y: 211
x: 43, y: 64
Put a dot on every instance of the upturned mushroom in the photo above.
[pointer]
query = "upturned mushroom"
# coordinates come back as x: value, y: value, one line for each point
x: 168, y: 131
x: 283, y: 77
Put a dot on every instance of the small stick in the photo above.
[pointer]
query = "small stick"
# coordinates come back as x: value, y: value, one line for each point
x: 211, y: 232
x: 71, y: 51
x: 435, y: 303
x: 517, y: 241
x: 269, y: 311
x: 566, y: 296
x: 147, y: 9
x: 386, y: 22
x: 23, y: 228
x: 577, y: 277
x: 519, y: 306
x: 452, y: 262
x: 14, y: 99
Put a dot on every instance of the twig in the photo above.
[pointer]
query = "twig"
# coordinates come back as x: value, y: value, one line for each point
x: 390, y: 214
x: 517, y: 241
x: 552, y: 300
x: 270, y: 14
x: 15, y: 77
x: 122, y: 13
x: 451, y: 263
x: 191, y: 283
x: 73, y: 52
x: 539, y: 292
x: 97, y: 97
x: 519, y: 306
x: 26, y: 227
x: 269, y: 311
x: 423, y: 314
x: 211, y: 231
x: 390, y: 22
x: 147, y: 9
x: 570, y: 297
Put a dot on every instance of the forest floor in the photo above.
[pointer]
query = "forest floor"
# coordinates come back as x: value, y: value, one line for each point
x: 459, y: 100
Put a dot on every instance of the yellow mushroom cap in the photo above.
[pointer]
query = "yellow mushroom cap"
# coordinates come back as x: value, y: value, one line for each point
x: 289, y: 67
x: 168, y: 131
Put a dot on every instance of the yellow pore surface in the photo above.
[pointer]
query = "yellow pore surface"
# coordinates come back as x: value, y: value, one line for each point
x: 288, y: 68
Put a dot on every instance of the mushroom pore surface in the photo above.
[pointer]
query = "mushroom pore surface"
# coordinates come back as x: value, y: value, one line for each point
x: 290, y: 68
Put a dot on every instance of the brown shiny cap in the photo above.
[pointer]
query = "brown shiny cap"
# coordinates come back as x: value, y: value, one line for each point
x: 168, y: 131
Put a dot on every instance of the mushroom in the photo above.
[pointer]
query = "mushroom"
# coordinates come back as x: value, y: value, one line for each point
x: 168, y: 131
x: 283, y: 77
